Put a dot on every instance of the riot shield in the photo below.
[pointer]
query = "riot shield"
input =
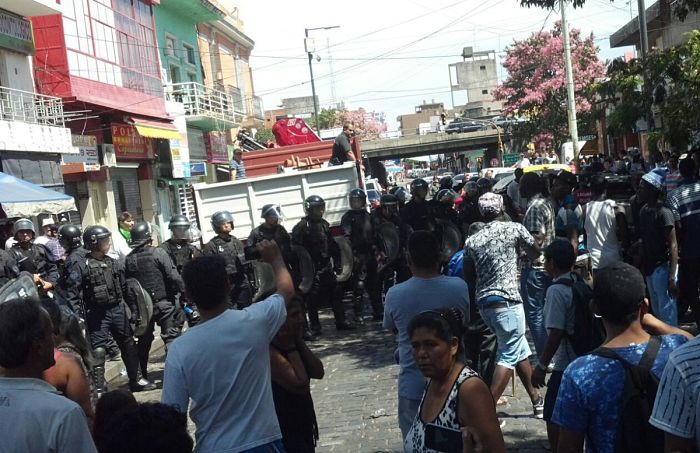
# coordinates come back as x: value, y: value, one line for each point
x: 346, y: 260
x: 304, y: 268
x: 450, y: 239
x: 139, y: 299
x: 264, y: 278
x: 22, y: 287
x: 389, y: 243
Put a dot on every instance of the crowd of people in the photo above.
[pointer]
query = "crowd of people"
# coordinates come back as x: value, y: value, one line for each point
x: 459, y: 273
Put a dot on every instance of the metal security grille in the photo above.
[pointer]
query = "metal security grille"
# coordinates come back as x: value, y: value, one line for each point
x: 125, y: 184
x: 186, y: 196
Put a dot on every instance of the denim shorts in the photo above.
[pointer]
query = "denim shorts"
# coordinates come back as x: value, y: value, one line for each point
x: 508, y: 324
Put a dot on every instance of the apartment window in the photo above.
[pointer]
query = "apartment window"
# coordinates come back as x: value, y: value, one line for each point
x: 169, y: 46
x: 191, y: 76
x: 483, y: 68
x: 174, y: 74
x: 189, y: 53
x: 484, y: 91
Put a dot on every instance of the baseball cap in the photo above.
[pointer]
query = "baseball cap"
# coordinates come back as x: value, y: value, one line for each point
x: 618, y: 291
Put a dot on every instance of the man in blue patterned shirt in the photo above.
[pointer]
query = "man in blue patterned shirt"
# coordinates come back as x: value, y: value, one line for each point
x: 590, y: 394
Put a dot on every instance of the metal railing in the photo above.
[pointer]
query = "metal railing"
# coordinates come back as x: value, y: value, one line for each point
x: 28, y: 107
x: 200, y: 100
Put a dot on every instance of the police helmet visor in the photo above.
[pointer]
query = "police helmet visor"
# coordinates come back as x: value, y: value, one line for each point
x: 104, y: 244
x: 356, y: 203
x: 272, y: 212
x: 390, y: 209
x: 317, y: 211
x: 180, y: 232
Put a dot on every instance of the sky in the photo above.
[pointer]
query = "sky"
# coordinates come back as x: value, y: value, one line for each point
x: 389, y: 56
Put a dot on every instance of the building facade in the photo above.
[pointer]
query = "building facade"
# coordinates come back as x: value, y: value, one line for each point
x: 33, y: 132
x: 472, y: 82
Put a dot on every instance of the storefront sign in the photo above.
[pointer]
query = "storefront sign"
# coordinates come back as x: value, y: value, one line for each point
x: 16, y: 33
x: 87, y: 155
x: 198, y: 169
x: 217, y: 152
x: 129, y: 145
x: 180, y: 160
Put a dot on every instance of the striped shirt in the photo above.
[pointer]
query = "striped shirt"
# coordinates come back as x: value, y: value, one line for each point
x: 676, y: 406
x: 672, y: 180
x: 684, y: 203
x: 539, y: 219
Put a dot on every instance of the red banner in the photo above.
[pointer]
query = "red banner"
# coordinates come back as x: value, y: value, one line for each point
x: 129, y: 145
x: 217, y: 151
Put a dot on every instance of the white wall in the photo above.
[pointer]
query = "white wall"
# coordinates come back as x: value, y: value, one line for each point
x: 16, y: 71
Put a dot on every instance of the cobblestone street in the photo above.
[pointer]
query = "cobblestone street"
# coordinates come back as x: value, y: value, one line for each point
x: 356, y: 402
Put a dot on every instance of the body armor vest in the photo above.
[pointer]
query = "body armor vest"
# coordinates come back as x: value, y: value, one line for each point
x: 317, y: 240
x: 359, y: 225
x: 230, y: 251
x: 26, y: 259
x: 181, y: 254
x: 103, y: 287
x: 141, y: 264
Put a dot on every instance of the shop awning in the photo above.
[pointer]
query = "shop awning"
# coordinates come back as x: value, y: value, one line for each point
x: 20, y: 198
x: 155, y: 129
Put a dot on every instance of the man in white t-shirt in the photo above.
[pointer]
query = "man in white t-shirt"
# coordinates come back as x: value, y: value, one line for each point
x: 34, y: 416
x: 222, y: 365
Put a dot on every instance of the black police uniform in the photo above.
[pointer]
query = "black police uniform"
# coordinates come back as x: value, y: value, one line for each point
x: 276, y: 233
x: 446, y: 212
x: 315, y: 236
x: 356, y: 225
x: 182, y: 252
x: 100, y: 285
x: 35, y: 260
x: 418, y: 215
x: 231, y: 249
x: 8, y: 267
x: 73, y: 257
x: 398, y: 272
x: 158, y: 276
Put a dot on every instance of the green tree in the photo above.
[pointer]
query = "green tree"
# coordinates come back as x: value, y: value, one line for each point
x: 264, y: 134
x: 680, y: 7
x: 326, y: 118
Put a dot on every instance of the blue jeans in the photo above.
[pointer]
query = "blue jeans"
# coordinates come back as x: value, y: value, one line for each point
x: 663, y: 305
x: 272, y: 447
x: 408, y: 409
x: 508, y: 323
x: 533, y: 287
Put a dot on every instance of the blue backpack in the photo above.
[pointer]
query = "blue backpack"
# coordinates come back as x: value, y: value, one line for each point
x: 456, y: 264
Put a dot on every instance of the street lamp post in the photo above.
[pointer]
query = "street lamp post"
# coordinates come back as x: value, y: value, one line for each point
x: 309, y: 51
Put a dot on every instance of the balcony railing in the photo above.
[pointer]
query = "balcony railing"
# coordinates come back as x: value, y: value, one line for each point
x: 202, y: 101
x: 28, y: 107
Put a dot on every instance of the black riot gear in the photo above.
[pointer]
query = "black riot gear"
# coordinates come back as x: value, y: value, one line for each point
x: 419, y: 188
x: 231, y: 249
x: 446, y: 182
x: 8, y: 267
x: 92, y: 236
x: 400, y: 194
x: 484, y: 185
x: 358, y: 199
x: 271, y: 210
x: 179, y: 225
x: 23, y: 225
x: 141, y: 234
x: 220, y: 218
x: 471, y: 190
x: 69, y: 237
x: 446, y: 196
x: 314, y: 204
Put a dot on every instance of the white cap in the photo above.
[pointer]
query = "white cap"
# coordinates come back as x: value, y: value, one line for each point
x: 47, y: 222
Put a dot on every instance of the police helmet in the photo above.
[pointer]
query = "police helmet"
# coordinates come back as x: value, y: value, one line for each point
x: 471, y: 189
x: 446, y: 182
x: 484, y: 185
x: 220, y: 218
x: 388, y: 200
x: 178, y: 221
x: 399, y: 193
x: 313, y: 201
x: 69, y: 236
x: 358, y: 199
x: 92, y: 236
x: 22, y: 225
x: 271, y: 210
x: 141, y: 234
x: 419, y: 184
x: 446, y: 195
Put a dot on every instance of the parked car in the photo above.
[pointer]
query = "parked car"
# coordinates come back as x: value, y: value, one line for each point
x: 459, y: 125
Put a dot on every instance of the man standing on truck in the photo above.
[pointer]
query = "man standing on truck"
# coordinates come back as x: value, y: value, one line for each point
x: 314, y: 234
x: 228, y: 246
x: 342, y: 150
x: 236, y: 166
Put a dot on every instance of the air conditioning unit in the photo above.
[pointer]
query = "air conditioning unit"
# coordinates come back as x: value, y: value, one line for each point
x: 107, y: 156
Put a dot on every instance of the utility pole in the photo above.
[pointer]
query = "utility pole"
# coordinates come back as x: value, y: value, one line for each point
x: 310, y: 49
x: 643, y: 34
x: 571, y: 95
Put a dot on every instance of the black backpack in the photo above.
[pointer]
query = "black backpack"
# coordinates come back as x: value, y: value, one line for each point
x: 589, y: 332
x: 634, y: 432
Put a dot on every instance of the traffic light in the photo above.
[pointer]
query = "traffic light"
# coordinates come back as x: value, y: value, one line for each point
x: 443, y: 119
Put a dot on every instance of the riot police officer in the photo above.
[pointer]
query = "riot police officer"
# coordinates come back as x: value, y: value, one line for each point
x: 469, y: 209
x: 69, y: 238
x: 98, y: 284
x: 391, y: 255
x: 401, y: 196
x: 417, y: 213
x: 314, y: 234
x: 158, y: 276
x: 181, y: 252
x: 443, y: 206
x: 33, y: 258
x: 8, y: 267
x: 272, y: 230
x: 231, y: 249
x: 356, y: 225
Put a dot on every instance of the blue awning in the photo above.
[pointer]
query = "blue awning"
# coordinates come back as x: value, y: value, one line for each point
x: 20, y: 198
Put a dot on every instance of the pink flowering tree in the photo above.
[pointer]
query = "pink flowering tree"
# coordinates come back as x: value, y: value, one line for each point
x: 535, y: 88
x: 367, y: 124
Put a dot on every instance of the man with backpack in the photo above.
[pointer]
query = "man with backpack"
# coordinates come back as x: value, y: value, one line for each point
x: 598, y: 399
x: 560, y: 320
